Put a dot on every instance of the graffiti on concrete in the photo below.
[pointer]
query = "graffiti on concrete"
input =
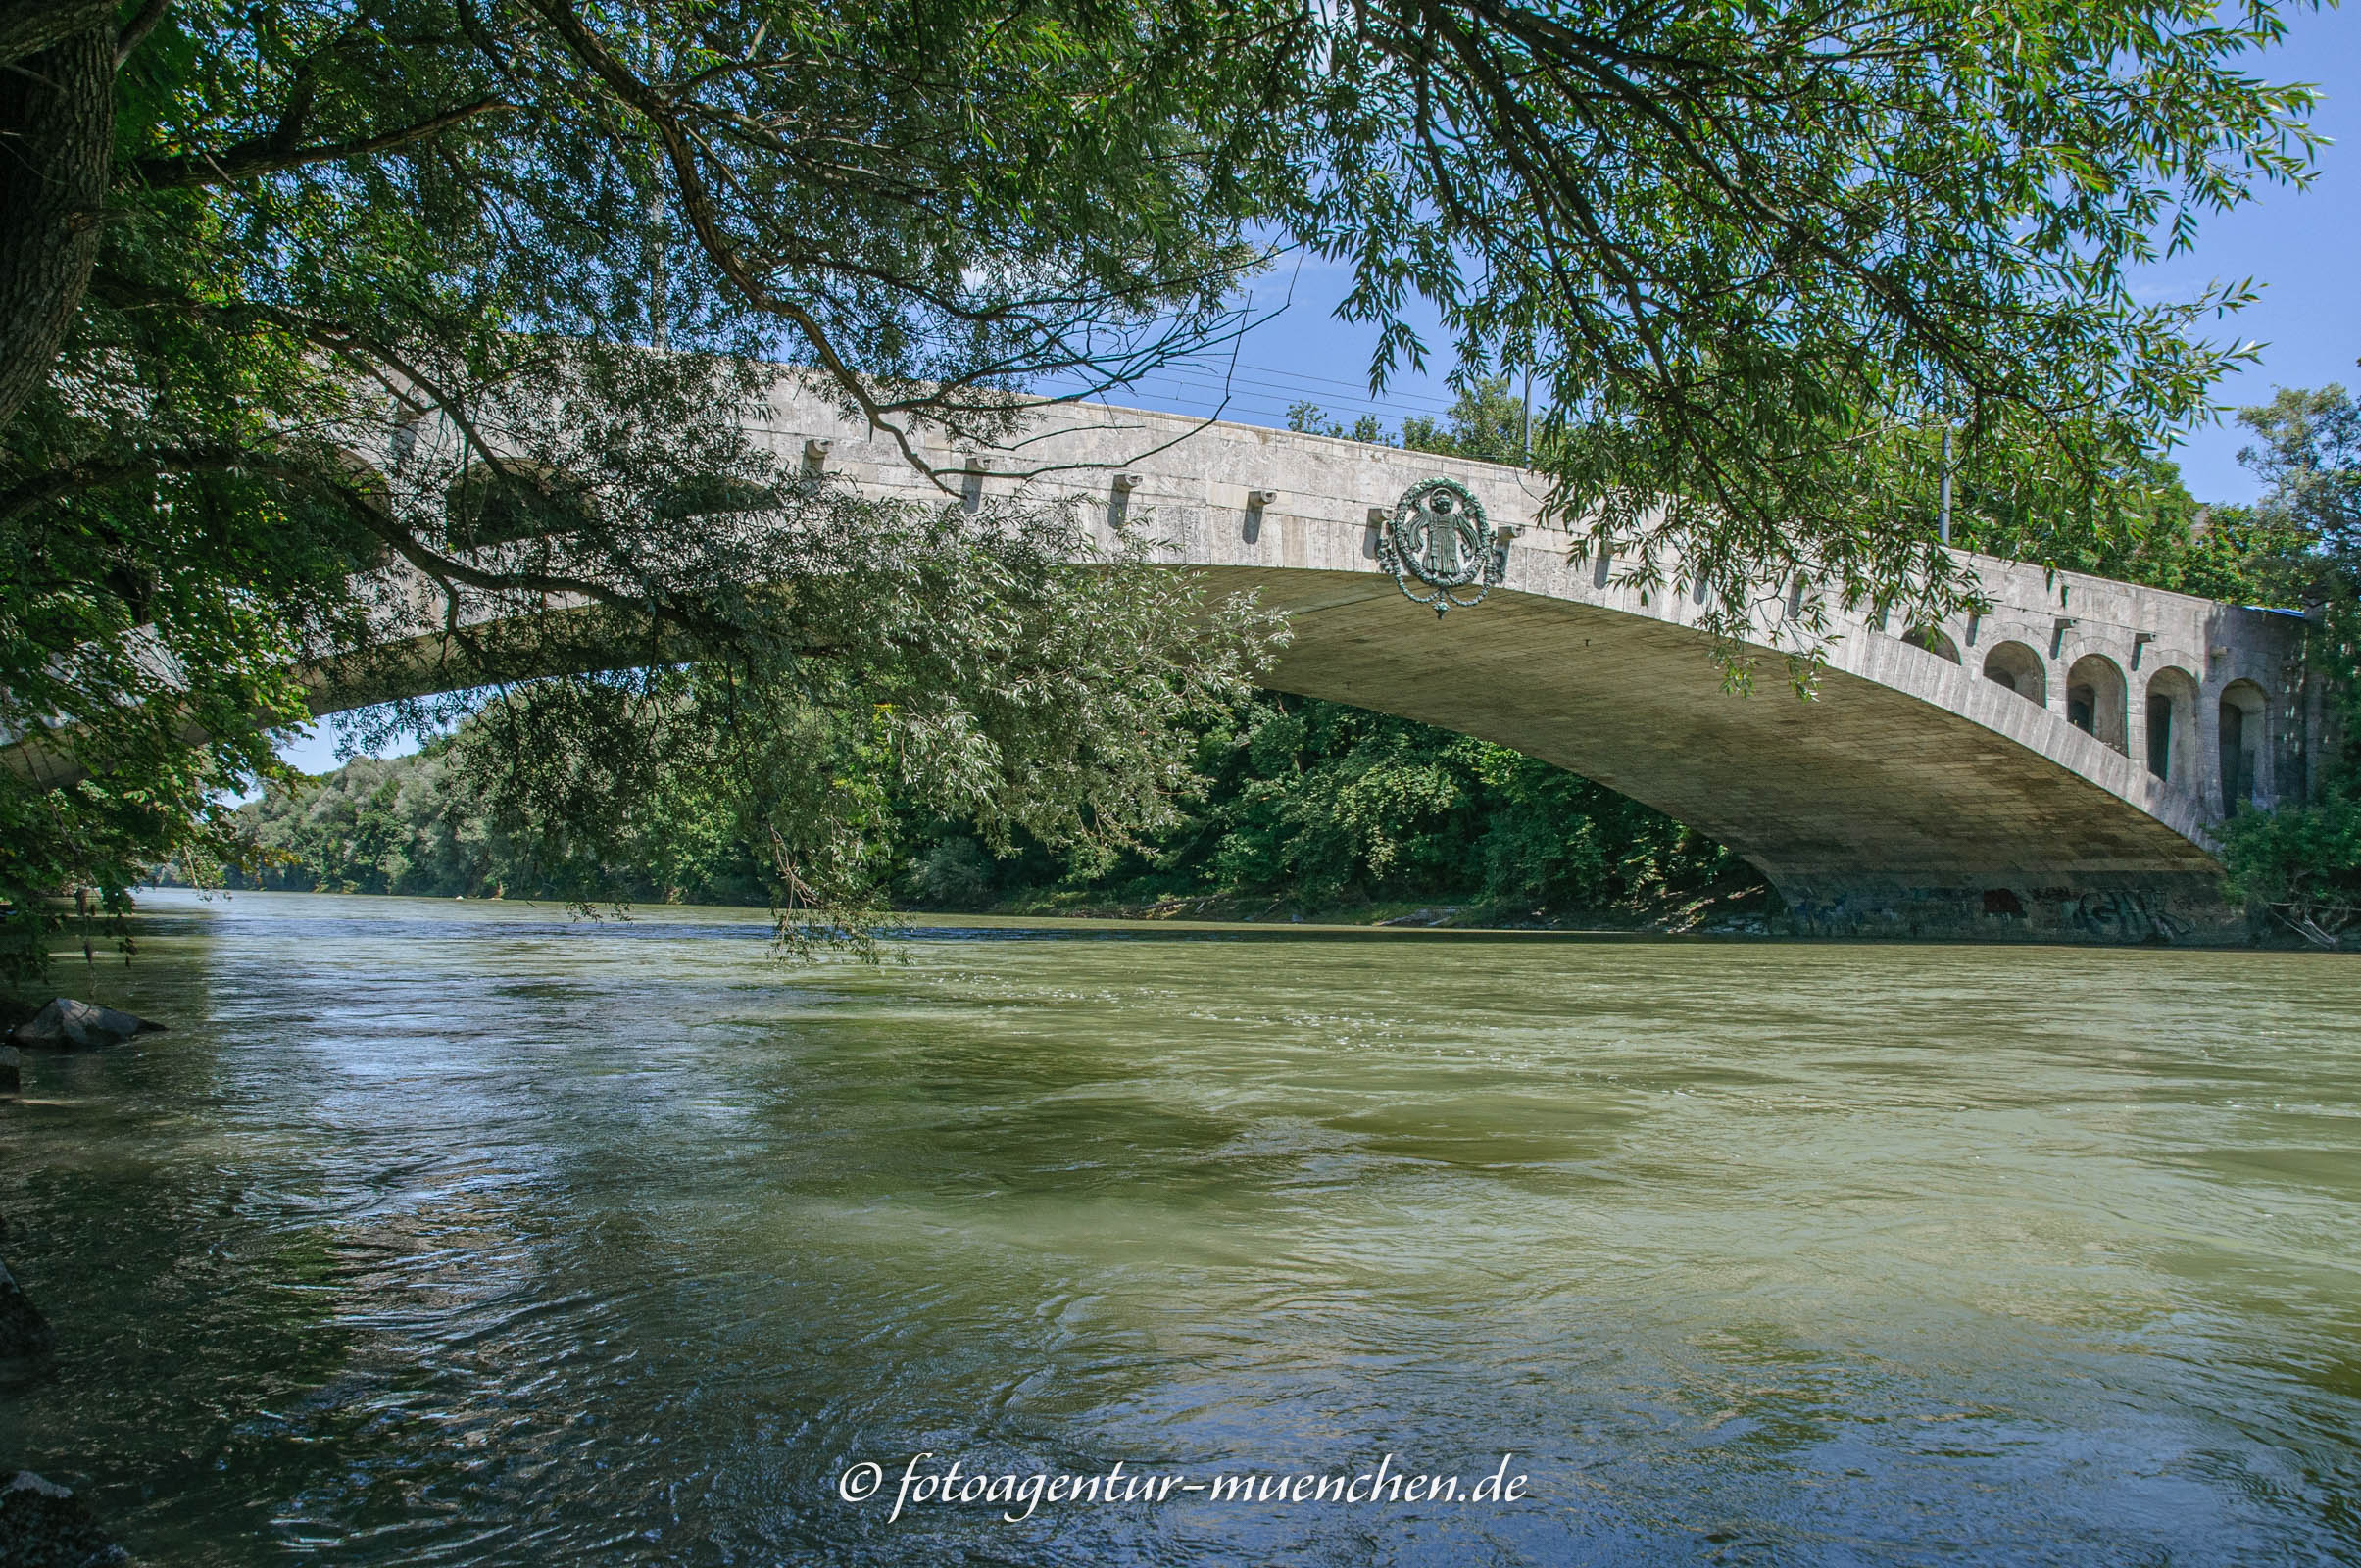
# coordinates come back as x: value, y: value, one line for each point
x: 2120, y: 917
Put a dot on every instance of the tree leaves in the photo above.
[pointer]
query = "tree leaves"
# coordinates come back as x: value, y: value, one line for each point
x: 357, y: 253
x: 1745, y: 249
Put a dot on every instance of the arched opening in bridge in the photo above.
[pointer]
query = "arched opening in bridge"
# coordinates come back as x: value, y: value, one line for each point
x: 1933, y: 641
x: 2020, y: 670
x: 2243, y: 720
x: 497, y: 506
x: 2172, y: 724
x: 2096, y: 700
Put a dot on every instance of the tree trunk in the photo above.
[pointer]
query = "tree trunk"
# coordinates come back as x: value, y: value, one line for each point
x: 57, y: 133
x: 29, y: 27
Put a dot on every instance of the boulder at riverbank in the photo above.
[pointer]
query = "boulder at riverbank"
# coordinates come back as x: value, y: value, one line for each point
x: 66, y: 1024
x: 43, y: 1525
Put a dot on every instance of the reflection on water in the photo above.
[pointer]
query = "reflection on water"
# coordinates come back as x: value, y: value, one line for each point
x: 453, y: 1233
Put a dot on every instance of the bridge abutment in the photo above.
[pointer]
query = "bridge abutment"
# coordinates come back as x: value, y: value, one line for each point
x: 2158, y: 908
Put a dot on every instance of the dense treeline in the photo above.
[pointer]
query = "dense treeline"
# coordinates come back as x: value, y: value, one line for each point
x: 1307, y: 805
x: 418, y: 825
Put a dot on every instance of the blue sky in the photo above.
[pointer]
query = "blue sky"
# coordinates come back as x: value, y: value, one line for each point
x: 2297, y: 245
x: 2300, y: 246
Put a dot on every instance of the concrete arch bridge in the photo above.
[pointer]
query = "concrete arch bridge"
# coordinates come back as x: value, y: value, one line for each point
x: 2045, y: 772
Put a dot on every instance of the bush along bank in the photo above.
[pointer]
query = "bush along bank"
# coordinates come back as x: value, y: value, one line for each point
x: 1304, y: 809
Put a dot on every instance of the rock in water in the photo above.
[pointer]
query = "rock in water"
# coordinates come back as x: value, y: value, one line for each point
x: 12, y: 1069
x: 67, y: 1024
x: 24, y: 1331
x: 44, y: 1526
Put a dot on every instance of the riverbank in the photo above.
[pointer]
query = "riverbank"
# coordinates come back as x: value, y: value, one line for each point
x: 1740, y: 912
x: 1745, y: 912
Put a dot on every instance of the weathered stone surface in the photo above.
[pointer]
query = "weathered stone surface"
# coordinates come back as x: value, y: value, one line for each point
x: 24, y: 1331
x: 43, y: 1525
x: 12, y: 1069
x: 2047, y: 770
x: 70, y: 1025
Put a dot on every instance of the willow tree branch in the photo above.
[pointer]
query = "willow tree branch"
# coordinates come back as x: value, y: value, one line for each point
x: 135, y: 31
x: 270, y: 154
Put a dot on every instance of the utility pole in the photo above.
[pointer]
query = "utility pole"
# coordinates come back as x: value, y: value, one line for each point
x: 1525, y: 430
x: 1944, y: 520
x: 1946, y: 523
x: 660, y: 323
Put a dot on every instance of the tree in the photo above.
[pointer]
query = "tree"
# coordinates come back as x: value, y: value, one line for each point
x: 2143, y: 527
x: 2302, y: 860
x: 543, y: 257
x: 1487, y: 421
x: 1742, y: 250
x: 1307, y: 804
x: 2309, y: 456
x: 490, y: 293
x: 1318, y: 803
x: 1311, y: 418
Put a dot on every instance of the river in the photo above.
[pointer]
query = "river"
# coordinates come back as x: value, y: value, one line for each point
x: 443, y: 1232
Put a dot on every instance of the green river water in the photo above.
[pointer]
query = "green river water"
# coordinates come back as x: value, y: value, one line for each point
x: 461, y: 1232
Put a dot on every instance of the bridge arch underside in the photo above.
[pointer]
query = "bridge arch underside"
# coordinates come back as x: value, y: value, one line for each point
x: 1940, y: 810
x: 1874, y: 812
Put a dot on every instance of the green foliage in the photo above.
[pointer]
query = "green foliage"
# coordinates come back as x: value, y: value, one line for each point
x: 1307, y: 804
x: 1487, y: 421
x: 1741, y: 247
x: 2302, y: 860
x: 483, y: 291
x: 2309, y: 455
x: 423, y: 827
x: 988, y: 672
x: 1326, y: 803
x: 2140, y: 525
x: 951, y: 874
x: 2143, y: 527
x: 1311, y: 418
x: 611, y: 787
x: 1314, y: 806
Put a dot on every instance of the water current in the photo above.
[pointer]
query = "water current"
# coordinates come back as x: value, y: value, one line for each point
x: 441, y: 1231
